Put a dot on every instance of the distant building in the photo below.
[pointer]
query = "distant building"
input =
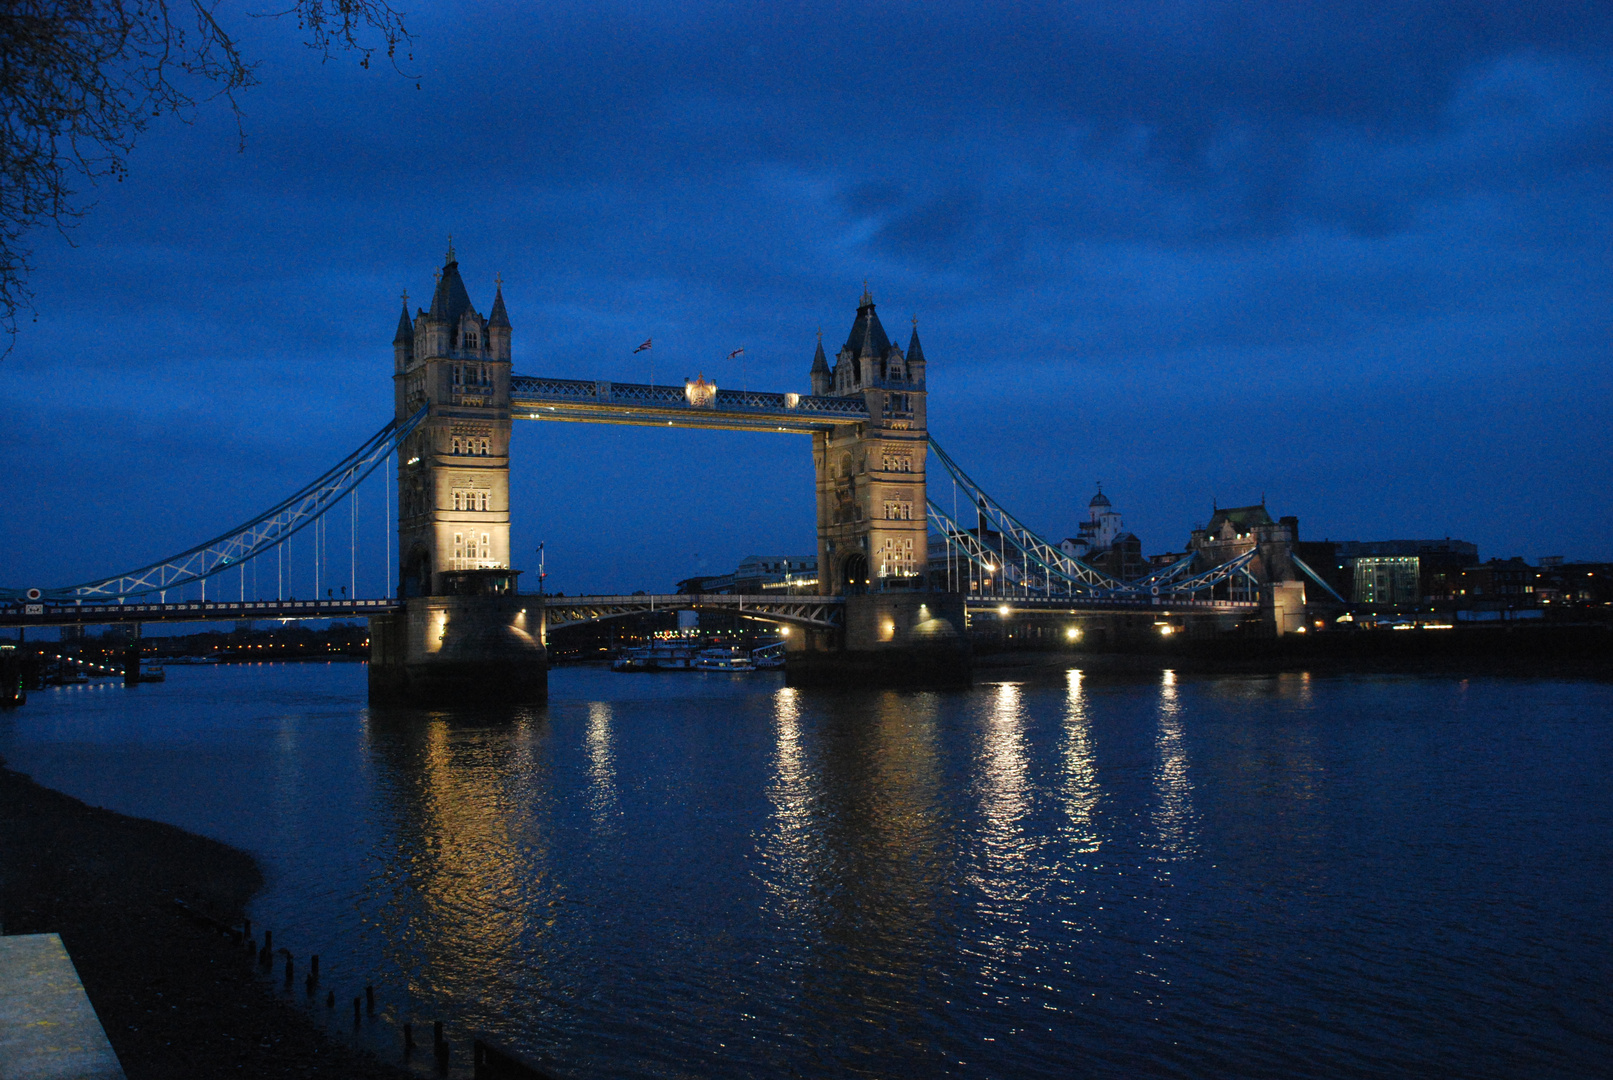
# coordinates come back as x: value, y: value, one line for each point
x: 1097, y: 533
x: 1387, y: 579
x: 1234, y: 530
x: 1123, y: 558
x: 1391, y: 571
x: 1510, y: 580
x: 777, y: 573
x: 758, y: 574
x: 1581, y: 583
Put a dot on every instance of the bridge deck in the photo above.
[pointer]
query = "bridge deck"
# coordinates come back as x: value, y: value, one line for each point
x: 196, y: 611
x: 1158, y: 605
x: 589, y: 401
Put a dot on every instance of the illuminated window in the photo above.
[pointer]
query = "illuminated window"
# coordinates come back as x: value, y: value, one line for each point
x: 472, y: 499
x: 898, y: 511
x: 896, y: 558
x: 898, y: 463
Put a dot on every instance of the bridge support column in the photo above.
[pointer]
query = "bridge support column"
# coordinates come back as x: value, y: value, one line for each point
x: 1282, y: 605
x: 896, y: 638
x: 460, y: 650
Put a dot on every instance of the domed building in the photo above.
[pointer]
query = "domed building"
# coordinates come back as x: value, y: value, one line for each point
x: 1098, y: 532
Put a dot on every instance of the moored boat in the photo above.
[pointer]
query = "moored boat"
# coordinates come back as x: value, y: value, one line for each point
x: 724, y: 659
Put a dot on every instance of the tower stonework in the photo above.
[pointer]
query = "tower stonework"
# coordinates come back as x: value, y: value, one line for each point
x: 454, y: 469
x: 465, y: 634
x: 872, y: 525
x: 870, y: 477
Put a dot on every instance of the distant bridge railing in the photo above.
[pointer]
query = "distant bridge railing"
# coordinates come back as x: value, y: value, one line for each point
x: 71, y: 614
x: 630, y: 403
x: 816, y: 612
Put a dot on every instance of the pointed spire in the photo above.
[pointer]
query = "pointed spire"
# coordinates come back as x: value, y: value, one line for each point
x: 450, y: 300
x: 915, y: 352
x: 499, y: 317
x: 820, y: 363
x: 867, y: 336
x: 405, y: 334
x: 449, y: 258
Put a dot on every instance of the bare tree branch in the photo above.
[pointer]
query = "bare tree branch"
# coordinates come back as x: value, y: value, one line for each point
x: 81, y: 79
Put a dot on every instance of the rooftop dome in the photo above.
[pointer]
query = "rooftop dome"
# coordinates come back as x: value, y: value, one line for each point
x: 1100, y: 499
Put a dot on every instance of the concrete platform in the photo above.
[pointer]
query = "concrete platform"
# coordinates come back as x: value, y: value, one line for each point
x: 48, y: 1029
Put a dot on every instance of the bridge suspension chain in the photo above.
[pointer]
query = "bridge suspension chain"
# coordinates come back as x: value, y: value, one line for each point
x: 264, y: 532
x: 1055, y: 563
x: 1046, y: 570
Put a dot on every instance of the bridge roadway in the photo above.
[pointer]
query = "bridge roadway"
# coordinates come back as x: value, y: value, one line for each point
x: 816, y: 612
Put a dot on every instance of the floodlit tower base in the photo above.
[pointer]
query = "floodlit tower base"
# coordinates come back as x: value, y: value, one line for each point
x: 892, y: 639
x: 482, y: 644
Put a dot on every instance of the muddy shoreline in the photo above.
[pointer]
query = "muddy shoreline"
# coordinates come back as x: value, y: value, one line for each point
x: 177, y: 999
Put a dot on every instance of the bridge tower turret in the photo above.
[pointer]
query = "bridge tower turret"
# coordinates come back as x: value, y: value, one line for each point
x: 870, y: 477
x: 464, y: 633
x: 454, y: 469
x: 872, y: 525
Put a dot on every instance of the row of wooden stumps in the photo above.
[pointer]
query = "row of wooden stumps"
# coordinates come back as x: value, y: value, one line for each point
x: 362, y: 1006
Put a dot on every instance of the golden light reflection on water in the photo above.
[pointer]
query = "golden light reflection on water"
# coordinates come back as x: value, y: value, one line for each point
x: 470, y: 862
x: 1080, y: 792
x: 1173, y: 813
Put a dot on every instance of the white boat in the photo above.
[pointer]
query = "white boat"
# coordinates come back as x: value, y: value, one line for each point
x: 673, y: 654
x: 724, y: 658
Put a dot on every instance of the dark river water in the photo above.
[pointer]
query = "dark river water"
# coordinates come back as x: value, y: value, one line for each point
x: 706, y: 875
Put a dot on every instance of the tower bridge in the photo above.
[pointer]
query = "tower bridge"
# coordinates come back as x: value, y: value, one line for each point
x: 897, y: 575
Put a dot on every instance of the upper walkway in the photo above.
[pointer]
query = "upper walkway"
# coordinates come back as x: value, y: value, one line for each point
x: 589, y: 401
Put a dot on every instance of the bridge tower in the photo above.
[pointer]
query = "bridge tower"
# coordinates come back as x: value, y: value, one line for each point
x: 872, y: 524
x: 465, y: 634
x: 870, y: 477
x: 454, y: 469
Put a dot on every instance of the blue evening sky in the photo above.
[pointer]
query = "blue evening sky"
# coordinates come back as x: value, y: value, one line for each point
x: 1354, y: 257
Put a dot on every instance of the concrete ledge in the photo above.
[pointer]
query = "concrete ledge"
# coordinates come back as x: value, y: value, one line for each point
x: 48, y: 1029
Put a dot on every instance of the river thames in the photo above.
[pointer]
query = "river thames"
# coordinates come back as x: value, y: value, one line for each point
x: 709, y: 875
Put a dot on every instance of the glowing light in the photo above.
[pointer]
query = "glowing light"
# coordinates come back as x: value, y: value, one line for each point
x: 784, y: 632
x: 1003, y: 610
x: 1299, y: 629
x: 1166, y: 631
x: 1072, y: 633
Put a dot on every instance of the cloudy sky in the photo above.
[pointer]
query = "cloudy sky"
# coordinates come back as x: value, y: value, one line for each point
x: 1355, y: 258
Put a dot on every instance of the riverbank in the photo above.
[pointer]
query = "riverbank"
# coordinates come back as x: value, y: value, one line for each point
x: 177, y: 1000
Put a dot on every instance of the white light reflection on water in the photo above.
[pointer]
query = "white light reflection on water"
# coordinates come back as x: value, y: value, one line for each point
x: 1080, y: 792
x: 794, y: 852
x: 1173, y: 815
x: 602, y: 800
x: 1005, y: 797
x: 1006, y: 875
